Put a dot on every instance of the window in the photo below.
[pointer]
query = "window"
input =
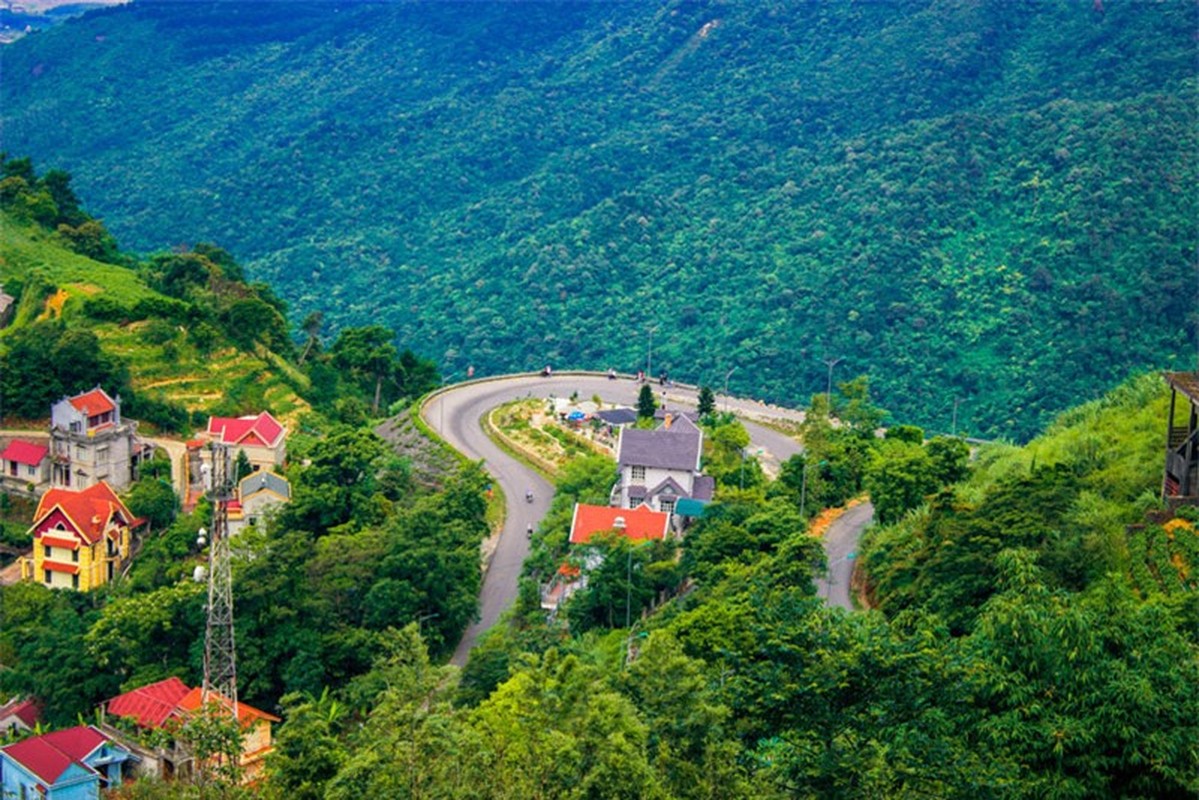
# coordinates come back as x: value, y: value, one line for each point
x: 74, y: 581
x: 75, y: 555
x: 666, y: 505
x: 639, y: 473
x: 76, y: 427
x: 31, y: 471
x: 47, y: 551
x: 46, y: 576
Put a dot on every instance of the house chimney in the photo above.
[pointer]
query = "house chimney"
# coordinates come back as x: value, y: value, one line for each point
x: 619, y: 524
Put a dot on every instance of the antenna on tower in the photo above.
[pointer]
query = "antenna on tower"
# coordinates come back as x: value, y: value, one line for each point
x: 220, y: 655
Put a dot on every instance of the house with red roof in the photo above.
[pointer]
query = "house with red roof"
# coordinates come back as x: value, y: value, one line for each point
x: 17, y: 715
x: 90, y: 443
x: 262, y: 437
x: 170, y: 703
x: 72, y: 764
x: 81, y: 540
x: 24, y: 466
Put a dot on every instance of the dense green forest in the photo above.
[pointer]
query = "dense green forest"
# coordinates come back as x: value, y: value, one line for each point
x: 1037, y: 638
x: 983, y: 205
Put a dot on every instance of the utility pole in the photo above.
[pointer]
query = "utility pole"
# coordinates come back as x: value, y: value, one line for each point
x: 954, y: 430
x: 220, y: 653
x: 828, y: 392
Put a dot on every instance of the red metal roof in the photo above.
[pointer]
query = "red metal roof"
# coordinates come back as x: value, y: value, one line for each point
x: 48, y: 756
x: 638, y: 523
x: 25, y: 710
x: 150, y: 706
x: 88, y: 511
x: 94, y: 402
x: 25, y: 453
x: 260, y: 431
x: 54, y: 566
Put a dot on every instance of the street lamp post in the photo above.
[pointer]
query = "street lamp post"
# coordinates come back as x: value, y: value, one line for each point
x: 828, y: 392
x: 727, y: 375
x: 649, y: 350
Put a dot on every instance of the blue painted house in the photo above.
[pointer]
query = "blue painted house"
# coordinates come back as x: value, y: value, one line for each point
x: 74, y: 764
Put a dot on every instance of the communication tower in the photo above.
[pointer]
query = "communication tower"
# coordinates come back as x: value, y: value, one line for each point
x: 220, y: 654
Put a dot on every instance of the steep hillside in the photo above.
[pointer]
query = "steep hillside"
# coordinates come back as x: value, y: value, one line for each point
x: 179, y: 369
x: 986, y: 201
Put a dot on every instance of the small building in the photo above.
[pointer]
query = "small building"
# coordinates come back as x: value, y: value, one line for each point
x: 1180, y: 479
x: 17, y: 715
x: 90, y: 443
x: 258, y: 494
x: 169, y: 703
x: 617, y: 416
x: 659, y: 467
x: 81, y: 540
x: 262, y: 438
x: 73, y: 764
x: 25, y: 467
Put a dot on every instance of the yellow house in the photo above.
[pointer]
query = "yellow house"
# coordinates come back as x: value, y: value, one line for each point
x: 80, y: 539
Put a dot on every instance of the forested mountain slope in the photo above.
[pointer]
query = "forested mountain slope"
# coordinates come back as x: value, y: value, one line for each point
x: 983, y: 200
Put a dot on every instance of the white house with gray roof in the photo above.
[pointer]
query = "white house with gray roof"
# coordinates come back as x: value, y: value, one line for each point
x: 659, y: 467
x: 258, y: 494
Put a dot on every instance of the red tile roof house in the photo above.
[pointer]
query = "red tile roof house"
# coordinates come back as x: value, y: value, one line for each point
x: 24, y: 467
x: 167, y: 703
x: 90, y: 442
x: 73, y: 764
x: 81, y: 540
x: 262, y: 437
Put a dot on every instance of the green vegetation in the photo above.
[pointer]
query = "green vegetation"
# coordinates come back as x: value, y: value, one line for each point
x: 178, y: 335
x: 984, y: 206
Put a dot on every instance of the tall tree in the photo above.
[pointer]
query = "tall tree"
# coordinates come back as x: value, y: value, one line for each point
x: 646, y: 405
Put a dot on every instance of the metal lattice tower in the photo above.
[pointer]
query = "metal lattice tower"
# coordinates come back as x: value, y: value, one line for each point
x: 220, y: 655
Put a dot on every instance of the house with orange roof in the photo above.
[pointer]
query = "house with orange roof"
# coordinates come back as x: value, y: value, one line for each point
x: 168, y: 704
x: 640, y: 524
x: 81, y: 540
x: 24, y: 466
x: 90, y: 443
x: 637, y: 524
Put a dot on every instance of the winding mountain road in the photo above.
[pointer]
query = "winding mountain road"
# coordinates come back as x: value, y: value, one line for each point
x: 455, y: 414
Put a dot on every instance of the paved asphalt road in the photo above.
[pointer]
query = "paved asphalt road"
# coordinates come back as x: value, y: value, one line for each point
x: 455, y: 414
x: 840, y: 550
